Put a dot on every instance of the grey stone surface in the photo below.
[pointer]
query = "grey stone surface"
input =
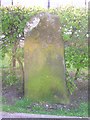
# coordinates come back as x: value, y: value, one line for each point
x: 44, y: 60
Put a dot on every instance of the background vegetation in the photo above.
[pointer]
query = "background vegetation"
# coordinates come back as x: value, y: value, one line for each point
x: 74, y: 32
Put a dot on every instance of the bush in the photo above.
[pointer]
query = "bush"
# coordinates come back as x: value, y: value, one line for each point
x: 74, y: 32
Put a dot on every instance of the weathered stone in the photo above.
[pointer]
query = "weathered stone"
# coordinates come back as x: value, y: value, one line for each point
x: 44, y: 60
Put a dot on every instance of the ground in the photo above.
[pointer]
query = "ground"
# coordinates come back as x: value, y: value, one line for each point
x: 79, y: 95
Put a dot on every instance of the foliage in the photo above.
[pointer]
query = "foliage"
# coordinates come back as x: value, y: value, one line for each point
x: 10, y: 79
x: 74, y: 32
x: 13, y: 23
x: 70, y: 84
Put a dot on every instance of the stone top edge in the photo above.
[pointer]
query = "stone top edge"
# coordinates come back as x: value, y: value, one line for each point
x: 35, y: 20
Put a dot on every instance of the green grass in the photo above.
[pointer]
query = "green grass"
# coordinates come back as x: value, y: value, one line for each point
x: 22, y: 106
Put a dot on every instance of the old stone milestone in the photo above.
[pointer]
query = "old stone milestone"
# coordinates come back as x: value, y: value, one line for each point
x: 44, y: 60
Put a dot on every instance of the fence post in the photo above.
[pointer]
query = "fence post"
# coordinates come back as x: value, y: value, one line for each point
x: 12, y: 2
x: 48, y: 4
x: 0, y: 2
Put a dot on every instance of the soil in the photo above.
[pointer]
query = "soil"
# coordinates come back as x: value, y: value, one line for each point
x: 79, y: 95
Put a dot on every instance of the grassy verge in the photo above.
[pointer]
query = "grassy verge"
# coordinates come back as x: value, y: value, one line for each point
x: 24, y: 106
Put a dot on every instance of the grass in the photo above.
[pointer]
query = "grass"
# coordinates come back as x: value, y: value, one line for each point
x: 23, y: 106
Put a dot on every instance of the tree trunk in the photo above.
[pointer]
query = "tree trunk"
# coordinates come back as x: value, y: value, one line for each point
x: 14, y: 55
x: 22, y: 69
